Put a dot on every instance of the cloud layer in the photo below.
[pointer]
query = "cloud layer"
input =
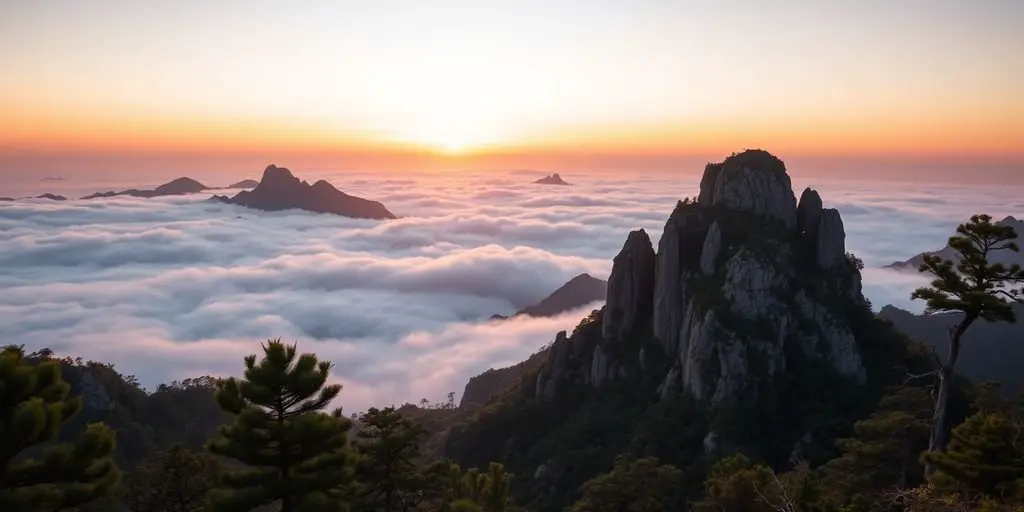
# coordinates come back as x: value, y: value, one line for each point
x: 168, y: 288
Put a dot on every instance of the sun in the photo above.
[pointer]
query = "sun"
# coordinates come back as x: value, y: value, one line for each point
x: 452, y: 147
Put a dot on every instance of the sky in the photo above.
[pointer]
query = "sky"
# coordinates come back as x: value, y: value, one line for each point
x: 176, y: 287
x: 453, y: 84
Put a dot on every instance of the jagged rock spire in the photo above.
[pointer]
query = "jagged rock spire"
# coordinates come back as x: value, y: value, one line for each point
x: 630, y: 288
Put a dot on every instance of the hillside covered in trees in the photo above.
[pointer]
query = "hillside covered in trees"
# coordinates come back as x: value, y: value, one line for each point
x: 738, y: 367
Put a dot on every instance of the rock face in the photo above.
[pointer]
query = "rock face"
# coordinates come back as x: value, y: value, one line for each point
x: 482, y: 388
x: 745, y: 284
x: 176, y: 187
x: 554, y: 179
x: 947, y: 252
x: 628, y: 306
x: 753, y: 181
x: 280, y: 190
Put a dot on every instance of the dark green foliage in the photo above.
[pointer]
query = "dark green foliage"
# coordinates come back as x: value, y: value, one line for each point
x: 883, y: 453
x: 183, y: 412
x: 985, y: 455
x: 972, y: 286
x: 488, y: 492
x: 297, y: 454
x: 34, y: 403
x: 177, y: 480
x: 736, y: 484
x: 643, y: 485
x: 389, y: 448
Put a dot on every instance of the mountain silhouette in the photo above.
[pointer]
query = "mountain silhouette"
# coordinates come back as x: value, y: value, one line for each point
x: 280, y: 190
x: 176, y: 187
x: 554, y: 179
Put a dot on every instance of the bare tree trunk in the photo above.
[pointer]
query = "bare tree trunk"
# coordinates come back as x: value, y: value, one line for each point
x: 939, y: 438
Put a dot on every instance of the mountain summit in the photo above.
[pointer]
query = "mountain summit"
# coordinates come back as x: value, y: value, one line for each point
x: 745, y: 326
x: 743, y: 277
x: 280, y: 190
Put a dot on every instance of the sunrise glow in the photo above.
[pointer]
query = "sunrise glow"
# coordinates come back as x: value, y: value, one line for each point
x: 458, y: 78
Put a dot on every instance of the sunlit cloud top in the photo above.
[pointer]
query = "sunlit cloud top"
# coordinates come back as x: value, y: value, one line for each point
x: 462, y: 76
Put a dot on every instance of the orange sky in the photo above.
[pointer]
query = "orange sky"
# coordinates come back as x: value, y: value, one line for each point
x: 456, y: 80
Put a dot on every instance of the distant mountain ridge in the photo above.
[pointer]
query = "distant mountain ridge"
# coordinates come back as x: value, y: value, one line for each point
x: 990, y: 351
x: 575, y: 293
x: 175, y: 187
x: 245, y: 184
x: 947, y: 252
x: 280, y: 190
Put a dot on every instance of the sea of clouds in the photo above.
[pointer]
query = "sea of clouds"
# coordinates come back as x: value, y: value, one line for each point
x: 169, y: 288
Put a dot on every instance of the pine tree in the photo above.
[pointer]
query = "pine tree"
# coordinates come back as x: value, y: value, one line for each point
x: 884, y: 451
x: 974, y: 287
x: 986, y: 455
x: 178, y: 480
x: 298, y: 455
x: 389, y: 446
x: 643, y: 485
x: 34, y: 402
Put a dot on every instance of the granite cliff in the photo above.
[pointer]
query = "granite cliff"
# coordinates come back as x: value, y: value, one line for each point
x: 742, y: 327
x: 744, y: 278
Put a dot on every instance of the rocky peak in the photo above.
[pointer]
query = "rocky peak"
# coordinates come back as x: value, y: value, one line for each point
x: 280, y: 190
x: 630, y: 288
x: 808, y: 213
x: 278, y: 177
x: 753, y: 181
x: 729, y: 299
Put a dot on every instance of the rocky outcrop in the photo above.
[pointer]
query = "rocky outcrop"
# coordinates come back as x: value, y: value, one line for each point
x: 830, y: 246
x: 280, y: 190
x: 51, y: 197
x: 180, y: 186
x: 753, y: 181
x: 554, y: 179
x: 808, y: 213
x: 6, y: 199
x: 630, y: 288
x: 743, y: 281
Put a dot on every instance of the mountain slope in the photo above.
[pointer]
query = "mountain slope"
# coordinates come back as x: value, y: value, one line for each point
x: 990, y: 351
x: 577, y: 292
